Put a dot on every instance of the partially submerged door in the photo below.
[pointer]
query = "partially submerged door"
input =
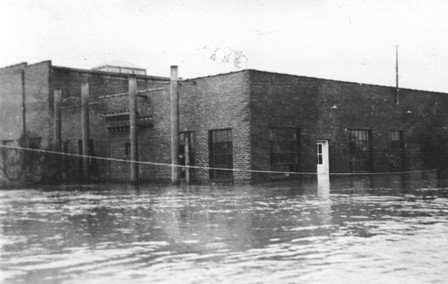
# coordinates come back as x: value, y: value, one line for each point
x: 323, y: 169
x: 323, y: 161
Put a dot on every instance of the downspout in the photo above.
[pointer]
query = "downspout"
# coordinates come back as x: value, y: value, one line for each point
x: 23, y: 102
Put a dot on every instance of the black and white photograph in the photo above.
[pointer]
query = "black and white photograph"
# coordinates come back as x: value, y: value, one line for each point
x: 240, y: 141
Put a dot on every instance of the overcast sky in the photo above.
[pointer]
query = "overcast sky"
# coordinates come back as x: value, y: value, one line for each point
x: 342, y: 40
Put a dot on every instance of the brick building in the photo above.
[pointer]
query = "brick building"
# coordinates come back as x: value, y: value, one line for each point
x: 27, y: 103
x: 280, y: 122
x: 250, y: 121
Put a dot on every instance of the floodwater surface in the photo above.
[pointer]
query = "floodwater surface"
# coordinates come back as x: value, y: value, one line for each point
x: 291, y: 233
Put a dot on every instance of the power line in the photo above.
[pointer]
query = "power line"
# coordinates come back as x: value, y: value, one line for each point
x: 202, y: 167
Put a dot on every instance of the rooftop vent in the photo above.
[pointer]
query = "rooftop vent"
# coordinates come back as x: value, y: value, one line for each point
x: 120, y: 67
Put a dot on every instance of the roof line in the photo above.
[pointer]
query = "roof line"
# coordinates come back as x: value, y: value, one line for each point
x: 314, y: 78
x: 41, y: 62
x: 109, y: 73
x: 117, y: 66
x: 215, y: 75
x: 14, y: 65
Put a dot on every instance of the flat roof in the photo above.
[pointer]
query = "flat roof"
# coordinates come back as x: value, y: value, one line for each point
x: 313, y: 78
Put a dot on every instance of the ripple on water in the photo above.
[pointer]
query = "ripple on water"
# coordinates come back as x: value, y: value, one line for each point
x: 243, y: 235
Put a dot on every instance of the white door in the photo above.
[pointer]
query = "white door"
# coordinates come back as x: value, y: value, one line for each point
x: 323, y: 162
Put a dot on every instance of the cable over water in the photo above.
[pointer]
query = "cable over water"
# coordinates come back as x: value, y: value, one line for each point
x: 201, y: 167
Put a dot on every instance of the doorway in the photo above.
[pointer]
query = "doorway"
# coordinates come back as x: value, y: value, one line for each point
x: 323, y: 161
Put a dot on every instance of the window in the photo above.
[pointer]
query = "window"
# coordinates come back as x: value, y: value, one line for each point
x: 319, y: 154
x: 221, y: 154
x: 396, y: 150
x: 360, y: 144
x: 284, y: 147
x: 65, y: 147
x: 127, y: 147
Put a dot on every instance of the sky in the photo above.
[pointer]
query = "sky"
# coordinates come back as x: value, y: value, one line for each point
x: 342, y: 40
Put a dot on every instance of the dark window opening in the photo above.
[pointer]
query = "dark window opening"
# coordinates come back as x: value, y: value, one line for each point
x: 221, y: 154
x: 360, y: 145
x: 285, y: 149
x: 65, y: 145
x: 396, y: 150
x: 127, y: 147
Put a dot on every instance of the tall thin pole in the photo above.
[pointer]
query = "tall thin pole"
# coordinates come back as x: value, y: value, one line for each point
x: 133, y: 127
x: 174, y: 95
x: 85, y: 130
x: 397, y: 88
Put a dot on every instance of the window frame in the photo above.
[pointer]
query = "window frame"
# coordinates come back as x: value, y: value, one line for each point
x: 360, y: 150
x: 319, y: 153
x: 221, y: 154
x: 285, y: 149
x: 396, y: 150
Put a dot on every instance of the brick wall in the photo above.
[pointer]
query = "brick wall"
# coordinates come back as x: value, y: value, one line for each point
x: 19, y: 84
x: 11, y: 125
x: 217, y: 102
x: 34, y: 85
x: 326, y: 109
x: 153, y: 141
x: 39, y: 121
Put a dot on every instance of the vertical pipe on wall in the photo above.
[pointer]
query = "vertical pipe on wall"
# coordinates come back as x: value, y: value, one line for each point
x: 57, y: 120
x: 23, y: 102
x: 133, y: 127
x: 174, y: 95
x: 187, y: 157
x: 57, y: 124
x: 85, y: 130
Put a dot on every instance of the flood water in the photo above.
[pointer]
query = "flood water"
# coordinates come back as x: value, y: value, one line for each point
x: 358, y: 232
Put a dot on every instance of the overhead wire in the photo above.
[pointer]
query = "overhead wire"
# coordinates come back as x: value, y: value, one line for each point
x: 204, y: 167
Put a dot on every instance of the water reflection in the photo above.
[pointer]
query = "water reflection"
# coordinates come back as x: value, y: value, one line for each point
x: 295, y: 232
x: 323, y: 186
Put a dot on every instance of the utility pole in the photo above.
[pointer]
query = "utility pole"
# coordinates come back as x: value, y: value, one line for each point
x: 397, y: 88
